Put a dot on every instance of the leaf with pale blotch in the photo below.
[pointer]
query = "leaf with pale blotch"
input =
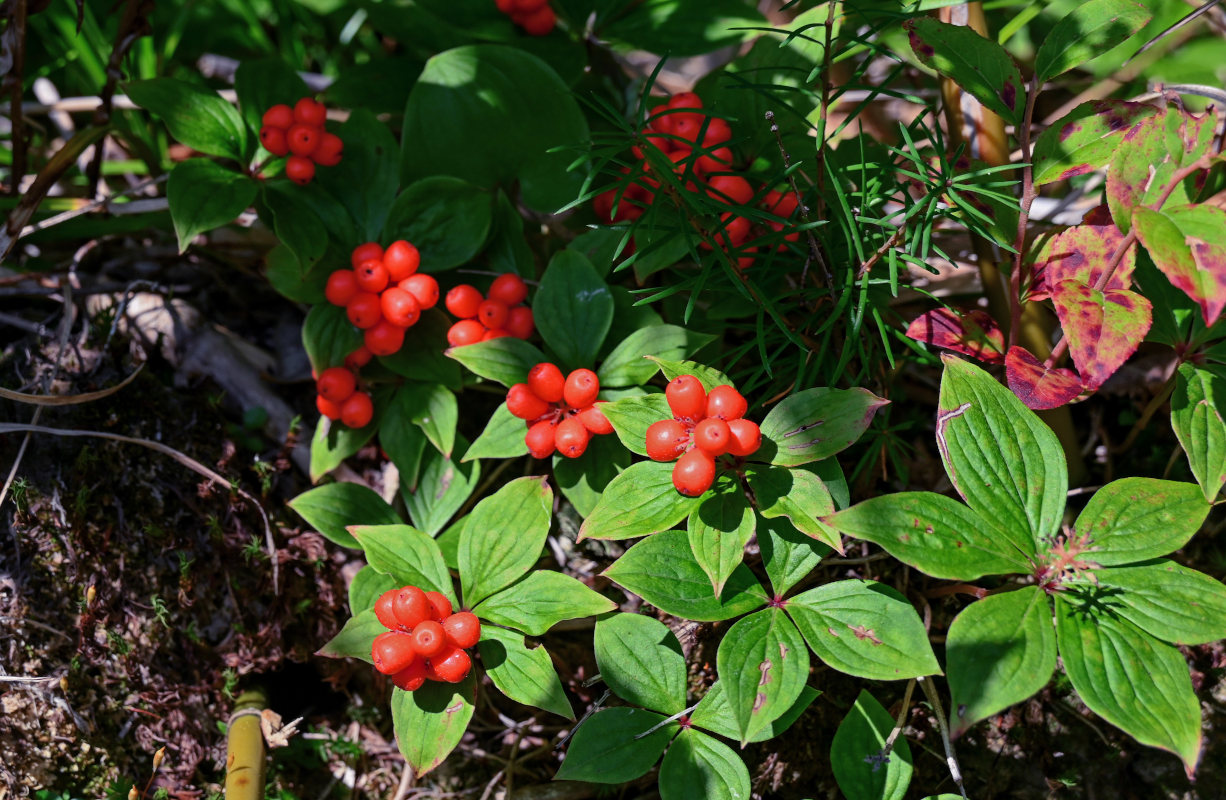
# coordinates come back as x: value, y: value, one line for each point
x: 1196, y: 416
x: 977, y: 64
x: 1134, y: 519
x: 1036, y: 385
x: 1188, y: 243
x: 1085, y: 139
x: 1081, y: 253
x: 1153, y: 150
x: 763, y: 663
x: 973, y: 333
x: 1103, y: 328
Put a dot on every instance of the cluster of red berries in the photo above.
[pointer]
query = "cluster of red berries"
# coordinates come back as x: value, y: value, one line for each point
x: 562, y: 413
x: 704, y: 427
x: 300, y: 131
x: 425, y: 640
x: 482, y: 318
x: 340, y: 398
x: 534, y: 16
x: 383, y: 294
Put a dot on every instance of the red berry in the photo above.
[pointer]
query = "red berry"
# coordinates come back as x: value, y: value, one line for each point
x: 463, y: 629
x: 428, y: 638
x: 411, y: 607
x: 581, y: 388
x: 519, y: 322
x: 509, y: 289
x: 279, y: 116
x: 366, y: 252
x: 309, y: 112
x: 718, y: 132
x: 505, y: 6
x: 492, y: 314
x: 302, y: 139
x: 274, y: 140
x: 546, y: 382
x: 686, y: 398
x: 359, y: 358
x: 300, y: 170
x: 440, y: 606
x: 399, y: 307
x: 329, y: 151
x: 571, y: 438
x: 336, y: 384
x: 540, y: 439
x: 451, y: 666
x: 734, y: 230
x: 522, y: 403
x: 466, y: 331
x: 424, y: 289
x: 594, y: 419
x: 731, y: 189
x: 712, y: 435
x: 412, y: 677
x: 364, y: 310
x: 385, y: 338
x: 342, y: 286
x: 358, y: 410
x: 685, y: 100
x: 385, y: 609
x: 495, y: 333
x: 666, y: 439
x: 372, y: 276
x: 726, y: 403
x: 720, y: 159
x: 694, y: 472
x: 539, y: 22
x: 393, y: 652
x: 401, y: 260
x: 526, y: 6
x: 745, y: 437
x: 327, y: 407
x: 463, y: 301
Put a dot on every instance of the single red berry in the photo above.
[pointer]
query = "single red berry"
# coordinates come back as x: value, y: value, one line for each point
x: 495, y: 333
x: 463, y: 629
x: 594, y: 419
x: 399, y: 307
x: 329, y: 151
x: 685, y: 100
x: 451, y: 666
x: 372, y: 276
x: 686, y: 397
x: 412, y: 677
x: 440, y: 606
x: 359, y: 358
x: 302, y: 139
x: 539, y: 22
x: 581, y: 388
x: 300, y: 170
x: 466, y: 331
x: 731, y: 189
x: 781, y: 203
x: 274, y: 140
x: 745, y: 437
x: 712, y: 435
x: 424, y: 289
x: 694, y: 472
x: 508, y: 289
x: 571, y: 437
x: 519, y: 322
x: 666, y: 439
x: 546, y: 382
x: 522, y: 403
x: 527, y: 6
x: 309, y: 112
x: 401, y: 260
x: 540, y: 438
x: 336, y: 384
x: 718, y: 131
x: 326, y: 407
x: 364, y: 310
x: 726, y: 403
x: 734, y: 230
x: 719, y: 160
x: 366, y: 252
x: 279, y: 116
x: 358, y: 410
x: 393, y: 652
x: 463, y: 301
x: 385, y: 338
x: 505, y: 6
x: 428, y: 638
x: 385, y: 609
x: 411, y: 607
x: 492, y: 314
x: 342, y: 286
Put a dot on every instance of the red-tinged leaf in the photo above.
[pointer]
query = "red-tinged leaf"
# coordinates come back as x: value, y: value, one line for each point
x: 1081, y: 253
x: 973, y: 334
x: 1037, y: 386
x: 1103, y: 328
x: 1086, y: 139
x: 1188, y: 243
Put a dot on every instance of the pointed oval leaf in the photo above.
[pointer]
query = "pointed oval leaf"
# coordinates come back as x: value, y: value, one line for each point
x: 356, y: 637
x: 430, y: 722
x: 408, y: 555
x: 445, y: 218
x: 524, y: 674
x: 1082, y: 253
x: 503, y: 437
x: 433, y: 409
x: 815, y: 424
x: 1085, y: 139
x: 710, y: 377
x: 641, y: 661
x: 1135, y: 519
x: 366, y: 180
x: 698, y: 766
x: 714, y: 714
x: 1037, y: 385
x: 333, y: 507
x: 1103, y: 328
x: 604, y: 748
x: 442, y: 487
x: 861, y: 768
x: 505, y: 360
x: 787, y: 554
x: 366, y: 587
x: 404, y: 442
x: 1091, y: 29
x: 541, y: 600
x: 628, y: 364
x: 1188, y: 243
x: 328, y: 336
x: 977, y: 64
x: 763, y: 663
x: 204, y: 195
x: 573, y: 309
x: 1196, y: 416
x: 196, y: 117
x: 632, y: 416
x: 584, y: 479
x: 422, y: 356
x: 1166, y: 600
x: 333, y: 442
x: 640, y: 501
x: 797, y: 494
x: 503, y: 537
x: 719, y: 528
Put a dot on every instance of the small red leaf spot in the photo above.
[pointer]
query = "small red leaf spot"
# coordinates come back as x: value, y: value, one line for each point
x: 928, y: 529
x: 832, y: 632
x: 915, y: 522
x: 906, y: 537
x: 758, y: 702
x: 1008, y: 94
x: 958, y: 544
x: 1072, y: 172
x: 863, y: 633
x: 765, y: 669
x: 1068, y: 130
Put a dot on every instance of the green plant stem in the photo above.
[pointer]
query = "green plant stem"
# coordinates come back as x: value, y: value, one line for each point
x: 245, y: 748
x: 950, y: 758
x: 1023, y: 219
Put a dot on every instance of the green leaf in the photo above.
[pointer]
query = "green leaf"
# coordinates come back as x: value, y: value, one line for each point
x: 1134, y: 519
x: 503, y: 437
x: 445, y: 218
x: 641, y: 661
x: 541, y: 600
x: 288, y: 277
x: 763, y: 663
x: 408, y: 555
x: 860, y: 769
x: 421, y: 357
x: 787, y: 554
x: 797, y: 494
x: 661, y: 569
x: 640, y: 501
x: 404, y: 442
x: 1168, y: 601
x: 263, y: 83
x: 1004, y: 461
x: 978, y: 65
x: 1085, y: 139
x: 443, y: 486
x: 698, y: 766
x: 366, y: 587
x: 628, y: 364
x: 467, y: 93
x: 653, y: 26
x: 328, y: 336
x: 573, y: 309
x: 1131, y: 680
x: 333, y: 442
x: 504, y: 537
x: 1091, y: 29
x: 196, y: 117
x: 815, y: 424
x: 298, y: 226
x: 1000, y: 650
x: 1197, y: 420
x: 933, y: 533
x: 632, y: 416
x: 524, y: 674
x: 719, y: 528
x: 505, y: 360
x: 366, y: 180
x: 430, y: 721
x: 204, y: 195
x: 710, y: 377
x: 864, y: 628
x: 583, y: 479
x: 714, y: 714
x: 434, y: 410
x: 604, y: 748
x: 333, y: 507
x: 356, y: 637
x: 508, y: 251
